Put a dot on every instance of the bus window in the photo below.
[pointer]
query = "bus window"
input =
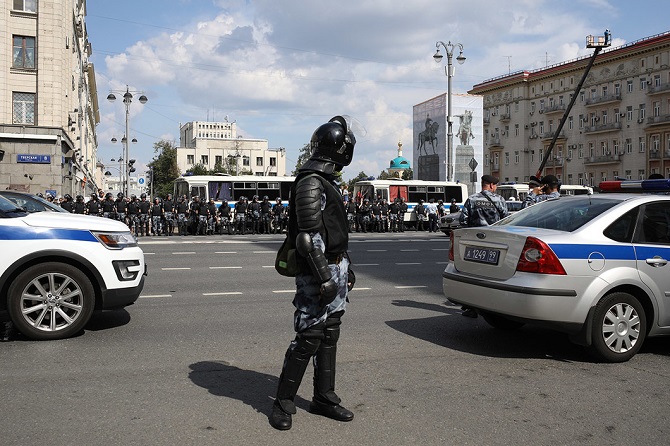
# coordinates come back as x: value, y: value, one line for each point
x: 367, y: 192
x: 198, y: 191
x: 436, y: 193
x: 398, y: 192
x: 455, y: 193
x: 417, y: 193
x: 219, y: 190
x: 285, y: 189
x: 270, y: 189
x: 382, y: 194
x: 245, y: 189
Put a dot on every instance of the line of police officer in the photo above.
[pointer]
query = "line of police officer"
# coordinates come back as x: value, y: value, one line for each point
x: 378, y: 216
x: 199, y: 217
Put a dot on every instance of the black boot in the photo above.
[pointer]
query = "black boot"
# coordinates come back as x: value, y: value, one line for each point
x: 325, y: 401
x: 296, y: 361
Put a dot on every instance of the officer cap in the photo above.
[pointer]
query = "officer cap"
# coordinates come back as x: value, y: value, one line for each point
x: 550, y: 180
x: 534, y: 182
x: 489, y: 179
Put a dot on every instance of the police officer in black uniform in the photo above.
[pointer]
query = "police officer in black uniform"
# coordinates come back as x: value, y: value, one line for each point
x: 93, y: 206
x: 143, y: 206
x: 157, y: 214
x: 121, y: 207
x: 254, y: 212
x: 133, y: 209
x: 266, y: 210
x: 108, y: 206
x: 421, y: 215
x: 212, y: 216
x: 402, y: 210
x: 79, y: 205
x: 352, y: 215
x: 67, y: 203
x: 168, y: 209
x: 203, y: 217
x: 225, y: 218
x: 241, y: 215
x: 365, y: 211
x: 182, y: 215
x: 393, y: 215
x: 279, y: 213
x: 318, y: 224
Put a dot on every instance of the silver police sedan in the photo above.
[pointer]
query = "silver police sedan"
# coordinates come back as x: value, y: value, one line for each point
x: 596, y: 267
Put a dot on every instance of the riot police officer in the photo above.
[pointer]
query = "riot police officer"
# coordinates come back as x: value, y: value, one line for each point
x: 133, y: 209
x: 254, y: 213
x: 143, y: 206
x: 212, y: 216
x: 182, y: 215
x: 157, y: 214
x: 225, y: 218
x: 376, y: 214
x: 421, y: 215
x: 364, y: 211
x: 109, y: 206
x: 79, y: 205
x: 121, y: 207
x: 318, y: 227
x: 266, y: 209
x: 67, y: 203
x: 278, y: 214
x: 168, y: 209
x: 93, y: 206
x: 402, y: 210
x: 352, y: 210
x: 393, y: 215
x: 203, y: 217
x: 241, y: 215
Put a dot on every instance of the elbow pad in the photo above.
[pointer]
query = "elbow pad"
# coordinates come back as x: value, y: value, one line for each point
x: 315, y: 257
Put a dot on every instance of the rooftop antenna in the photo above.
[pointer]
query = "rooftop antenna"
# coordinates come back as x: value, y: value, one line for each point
x: 509, y: 64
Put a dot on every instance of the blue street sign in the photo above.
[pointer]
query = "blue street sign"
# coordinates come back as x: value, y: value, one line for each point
x: 34, y: 159
x: 141, y: 181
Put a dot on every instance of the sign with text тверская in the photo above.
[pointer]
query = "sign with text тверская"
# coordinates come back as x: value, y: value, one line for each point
x: 34, y: 159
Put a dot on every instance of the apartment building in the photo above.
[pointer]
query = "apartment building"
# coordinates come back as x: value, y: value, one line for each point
x: 213, y: 144
x: 619, y: 126
x: 48, y: 99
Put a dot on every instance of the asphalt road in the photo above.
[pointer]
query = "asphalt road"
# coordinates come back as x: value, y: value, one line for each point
x: 196, y: 360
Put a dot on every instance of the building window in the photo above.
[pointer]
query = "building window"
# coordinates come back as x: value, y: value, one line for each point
x: 657, y: 80
x: 581, y: 122
x: 629, y: 85
x: 629, y: 174
x: 617, y: 89
x: 581, y: 95
x: 516, y: 129
x: 486, y: 160
x: 218, y: 159
x: 541, y: 127
x: 580, y: 179
x: 190, y: 159
x: 516, y: 157
x: 245, y: 161
x: 655, y: 143
x: 25, y: 5
x: 642, y: 144
x: 615, y: 146
x: 23, y: 55
x: 642, y: 112
x: 580, y: 152
x: 259, y: 161
x: 640, y: 174
x: 571, y: 123
x: 507, y: 158
x: 629, y: 113
x: 204, y: 160
x: 629, y: 145
x: 24, y: 108
x: 273, y: 161
x: 657, y: 109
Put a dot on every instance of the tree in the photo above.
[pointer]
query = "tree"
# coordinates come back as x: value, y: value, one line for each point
x: 164, y: 168
x: 408, y: 174
x: 198, y: 169
x: 384, y: 175
x: 305, y: 153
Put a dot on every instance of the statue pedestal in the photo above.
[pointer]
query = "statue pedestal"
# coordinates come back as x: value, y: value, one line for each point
x: 462, y: 170
x: 429, y: 167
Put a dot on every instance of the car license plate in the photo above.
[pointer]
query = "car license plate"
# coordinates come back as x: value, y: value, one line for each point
x: 482, y: 255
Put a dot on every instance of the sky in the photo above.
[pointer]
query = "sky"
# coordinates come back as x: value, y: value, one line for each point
x: 281, y: 68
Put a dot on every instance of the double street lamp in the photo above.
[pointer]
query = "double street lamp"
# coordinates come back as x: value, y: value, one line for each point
x: 449, y: 71
x: 127, y: 100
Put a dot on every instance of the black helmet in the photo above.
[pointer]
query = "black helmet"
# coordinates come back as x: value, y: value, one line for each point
x: 255, y: 198
x: 278, y: 200
x: 143, y: 196
x: 67, y: 196
x: 119, y: 195
x: 265, y: 197
x: 94, y: 195
x: 224, y: 203
x: 133, y: 197
x: 108, y: 196
x: 333, y: 142
x: 80, y: 197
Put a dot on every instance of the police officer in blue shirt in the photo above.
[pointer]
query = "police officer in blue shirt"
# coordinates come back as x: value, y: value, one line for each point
x: 486, y: 207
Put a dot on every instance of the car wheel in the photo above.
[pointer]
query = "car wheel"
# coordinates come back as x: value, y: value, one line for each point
x: 50, y: 301
x: 501, y: 322
x: 619, y: 327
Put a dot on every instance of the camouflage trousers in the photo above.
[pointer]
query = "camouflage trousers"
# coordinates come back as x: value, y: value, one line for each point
x: 308, y: 310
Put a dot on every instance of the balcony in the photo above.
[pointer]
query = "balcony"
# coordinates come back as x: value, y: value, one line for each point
x: 659, y: 154
x: 602, y: 128
x: 657, y: 120
x: 533, y: 136
x: 556, y: 108
x: 495, y: 142
x: 601, y: 100
x: 505, y: 117
x: 658, y: 89
x: 550, y: 135
x: 487, y: 121
x: 605, y: 159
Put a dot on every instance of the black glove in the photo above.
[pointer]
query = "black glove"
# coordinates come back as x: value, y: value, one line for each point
x: 351, y: 280
x: 328, y: 292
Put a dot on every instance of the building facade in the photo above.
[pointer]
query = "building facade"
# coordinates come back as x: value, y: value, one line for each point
x: 619, y: 126
x: 48, y: 99
x: 216, y: 145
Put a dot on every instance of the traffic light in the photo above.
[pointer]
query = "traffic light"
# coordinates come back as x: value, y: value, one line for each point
x: 131, y: 169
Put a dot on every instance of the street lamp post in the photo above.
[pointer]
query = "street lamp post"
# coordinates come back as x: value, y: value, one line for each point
x: 127, y: 100
x: 449, y: 71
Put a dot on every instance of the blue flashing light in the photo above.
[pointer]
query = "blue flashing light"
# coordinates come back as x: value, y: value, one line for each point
x: 660, y: 185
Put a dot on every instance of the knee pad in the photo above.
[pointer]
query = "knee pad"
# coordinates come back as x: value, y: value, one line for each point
x: 331, y: 332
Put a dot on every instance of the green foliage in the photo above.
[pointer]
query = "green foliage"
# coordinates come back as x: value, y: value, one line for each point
x: 164, y: 167
x: 198, y: 169
x: 408, y: 174
x: 305, y: 153
x: 361, y: 176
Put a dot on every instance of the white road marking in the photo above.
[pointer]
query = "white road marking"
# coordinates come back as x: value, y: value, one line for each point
x: 183, y: 252
x: 365, y: 264
x: 409, y: 286
x: 283, y: 291
x: 225, y: 252
x: 230, y: 293
x: 172, y: 269
x: 149, y: 296
x: 440, y: 249
x: 408, y: 263
x: 225, y: 267
x: 409, y: 250
x: 376, y: 250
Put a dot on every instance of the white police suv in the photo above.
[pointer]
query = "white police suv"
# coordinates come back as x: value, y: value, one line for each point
x: 594, y: 266
x: 56, y: 269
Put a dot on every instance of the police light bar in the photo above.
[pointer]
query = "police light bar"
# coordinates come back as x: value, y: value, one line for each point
x: 661, y: 185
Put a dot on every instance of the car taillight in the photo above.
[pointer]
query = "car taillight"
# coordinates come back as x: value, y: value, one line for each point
x: 451, y: 246
x: 537, y: 257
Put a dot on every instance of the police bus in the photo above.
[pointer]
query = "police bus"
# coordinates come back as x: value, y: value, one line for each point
x: 513, y: 191
x: 411, y: 191
x: 231, y: 187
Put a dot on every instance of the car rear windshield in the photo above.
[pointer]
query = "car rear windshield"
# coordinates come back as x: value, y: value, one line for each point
x: 562, y: 214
